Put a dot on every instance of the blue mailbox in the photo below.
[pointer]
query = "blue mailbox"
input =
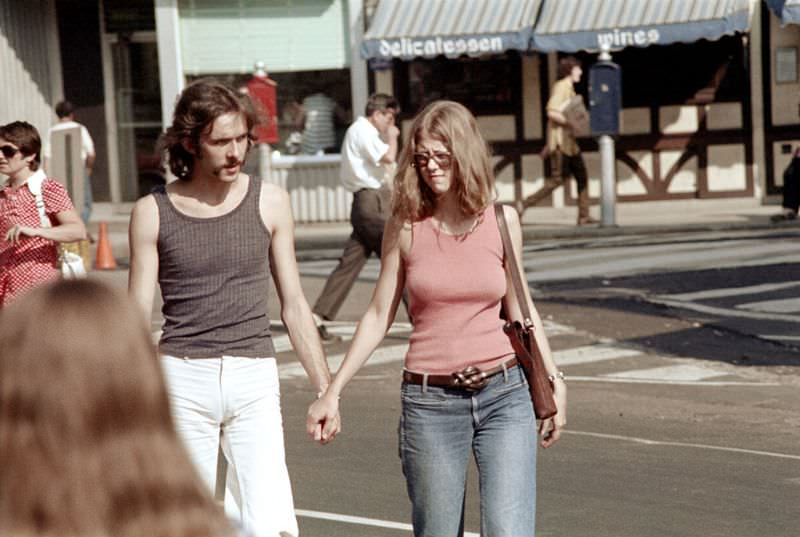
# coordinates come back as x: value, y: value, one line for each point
x: 605, y: 98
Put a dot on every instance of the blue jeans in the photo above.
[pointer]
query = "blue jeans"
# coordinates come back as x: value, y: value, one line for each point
x: 438, y: 429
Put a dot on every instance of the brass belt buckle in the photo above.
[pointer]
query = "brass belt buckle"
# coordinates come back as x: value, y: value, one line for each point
x: 470, y: 378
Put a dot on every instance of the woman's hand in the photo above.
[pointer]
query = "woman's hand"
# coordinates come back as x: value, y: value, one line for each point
x: 323, y: 422
x: 17, y: 231
x: 551, y: 428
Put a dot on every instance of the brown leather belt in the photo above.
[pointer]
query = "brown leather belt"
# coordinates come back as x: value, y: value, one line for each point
x: 470, y: 378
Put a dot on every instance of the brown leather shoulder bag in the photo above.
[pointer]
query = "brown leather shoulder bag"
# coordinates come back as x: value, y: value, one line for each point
x: 522, y: 335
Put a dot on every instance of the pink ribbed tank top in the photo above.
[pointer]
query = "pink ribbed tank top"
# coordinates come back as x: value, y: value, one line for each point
x: 456, y: 285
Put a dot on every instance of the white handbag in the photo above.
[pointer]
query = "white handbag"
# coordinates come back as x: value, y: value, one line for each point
x: 71, y: 264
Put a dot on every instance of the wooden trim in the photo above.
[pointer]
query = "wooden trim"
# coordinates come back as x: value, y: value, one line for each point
x: 625, y: 158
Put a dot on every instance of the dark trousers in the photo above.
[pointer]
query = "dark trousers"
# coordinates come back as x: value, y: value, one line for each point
x: 791, y: 185
x: 562, y: 167
x: 368, y: 215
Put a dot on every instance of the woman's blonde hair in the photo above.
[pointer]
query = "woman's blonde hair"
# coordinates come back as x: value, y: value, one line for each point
x: 473, y: 178
x: 87, y: 444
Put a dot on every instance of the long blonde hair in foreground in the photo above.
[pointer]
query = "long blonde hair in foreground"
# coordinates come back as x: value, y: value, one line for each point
x: 473, y: 178
x: 87, y: 445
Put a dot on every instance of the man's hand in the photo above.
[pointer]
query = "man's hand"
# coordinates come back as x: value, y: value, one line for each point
x: 392, y: 132
x: 17, y: 231
x: 323, y: 422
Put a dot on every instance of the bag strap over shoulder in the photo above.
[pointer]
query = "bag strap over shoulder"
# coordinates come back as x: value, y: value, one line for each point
x: 35, y: 186
x: 511, y: 259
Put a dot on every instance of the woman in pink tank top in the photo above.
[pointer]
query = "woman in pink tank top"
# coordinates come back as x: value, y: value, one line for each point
x: 463, y: 391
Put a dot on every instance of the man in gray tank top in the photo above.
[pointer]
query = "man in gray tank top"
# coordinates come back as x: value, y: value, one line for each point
x: 212, y: 240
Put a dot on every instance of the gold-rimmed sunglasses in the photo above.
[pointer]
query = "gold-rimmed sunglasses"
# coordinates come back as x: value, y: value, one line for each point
x: 443, y: 160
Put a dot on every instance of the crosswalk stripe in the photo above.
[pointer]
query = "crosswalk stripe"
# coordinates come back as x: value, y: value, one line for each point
x: 732, y: 291
x: 606, y: 351
x: 382, y: 355
x: 628, y: 260
x: 396, y: 353
x: 683, y: 372
x: 779, y: 337
x: 592, y: 353
x: 785, y: 305
x: 724, y: 312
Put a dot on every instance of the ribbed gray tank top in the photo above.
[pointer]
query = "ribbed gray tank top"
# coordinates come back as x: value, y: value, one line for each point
x: 215, y: 277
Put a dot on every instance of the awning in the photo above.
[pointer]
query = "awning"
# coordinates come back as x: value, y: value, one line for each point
x: 427, y: 28
x: 572, y: 25
x: 788, y: 11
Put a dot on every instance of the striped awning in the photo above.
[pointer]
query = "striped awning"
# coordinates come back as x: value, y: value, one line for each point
x: 788, y: 11
x: 427, y: 28
x: 572, y: 25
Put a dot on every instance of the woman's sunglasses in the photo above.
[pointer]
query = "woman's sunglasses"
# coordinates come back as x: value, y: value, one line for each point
x: 443, y: 160
x: 8, y: 150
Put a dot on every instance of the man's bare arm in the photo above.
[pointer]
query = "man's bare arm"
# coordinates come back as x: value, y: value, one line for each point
x: 143, y: 239
x: 295, y: 311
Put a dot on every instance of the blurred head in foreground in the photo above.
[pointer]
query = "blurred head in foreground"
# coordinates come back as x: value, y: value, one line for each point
x: 87, y: 444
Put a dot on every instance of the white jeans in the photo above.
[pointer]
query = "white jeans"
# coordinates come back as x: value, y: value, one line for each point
x: 241, y: 397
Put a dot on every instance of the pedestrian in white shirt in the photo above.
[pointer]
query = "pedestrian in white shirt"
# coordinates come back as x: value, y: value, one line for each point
x: 370, y: 144
x: 66, y: 120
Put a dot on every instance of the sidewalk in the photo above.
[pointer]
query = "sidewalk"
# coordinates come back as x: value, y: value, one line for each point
x: 543, y: 223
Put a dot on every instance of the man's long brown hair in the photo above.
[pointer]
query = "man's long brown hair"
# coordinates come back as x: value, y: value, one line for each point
x: 87, y: 444
x: 473, y: 178
x: 198, y: 106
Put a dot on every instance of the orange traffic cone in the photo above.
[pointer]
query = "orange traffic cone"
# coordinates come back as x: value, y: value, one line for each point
x: 104, y: 258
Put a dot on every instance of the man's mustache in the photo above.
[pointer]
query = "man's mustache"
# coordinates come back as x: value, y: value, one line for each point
x: 228, y: 164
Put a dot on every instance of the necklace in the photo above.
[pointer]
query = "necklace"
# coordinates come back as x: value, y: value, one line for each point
x: 460, y: 231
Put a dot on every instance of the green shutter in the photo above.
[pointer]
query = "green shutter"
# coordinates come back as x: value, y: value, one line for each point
x: 287, y: 35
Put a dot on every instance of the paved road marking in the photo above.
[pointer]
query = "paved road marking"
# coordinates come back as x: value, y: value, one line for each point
x: 362, y: 521
x: 578, y: 378
x: 633, y: 260
x: 724, y: 312
x: 592, y: 353
x: 684, y: 444
x: 382, y: 355
x: 785, y: 305
x: 682, y: 372
x: 777, y: 337
x: 732, y: 291
x: 677, y: 375
x: 397, y: 353
x: 343, y: 329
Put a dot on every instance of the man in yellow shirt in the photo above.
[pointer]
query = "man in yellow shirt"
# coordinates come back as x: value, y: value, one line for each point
x: 565, y: 155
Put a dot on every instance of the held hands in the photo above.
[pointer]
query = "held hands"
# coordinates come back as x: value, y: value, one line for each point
x: 16, y: 232
x: 551, y: 428
x: 323, y: 422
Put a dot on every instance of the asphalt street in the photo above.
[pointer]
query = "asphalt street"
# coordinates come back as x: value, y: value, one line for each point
x: 683, y: 369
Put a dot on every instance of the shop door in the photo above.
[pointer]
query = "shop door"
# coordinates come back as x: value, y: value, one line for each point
x: 137, y: 107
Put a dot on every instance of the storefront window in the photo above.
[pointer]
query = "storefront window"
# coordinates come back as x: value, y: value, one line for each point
x: 703, y: 71
x: 314, y: 109
x: 481, y: 84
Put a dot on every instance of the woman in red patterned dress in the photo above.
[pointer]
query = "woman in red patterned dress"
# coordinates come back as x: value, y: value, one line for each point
x: 28, y: 251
